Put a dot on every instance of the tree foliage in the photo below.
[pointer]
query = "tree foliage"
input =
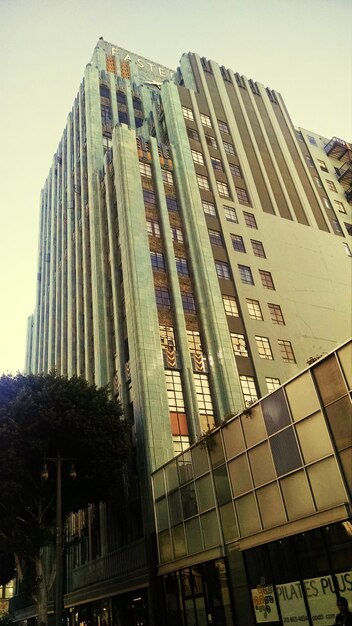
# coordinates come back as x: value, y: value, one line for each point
x: 42, y: 416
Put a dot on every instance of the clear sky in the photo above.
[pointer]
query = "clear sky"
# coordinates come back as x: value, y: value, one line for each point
x: 301, y: 48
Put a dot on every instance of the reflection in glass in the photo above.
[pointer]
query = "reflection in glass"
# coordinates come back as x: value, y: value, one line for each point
x: 302, y: 397
x: 313, y: 438
x: 329, y: 380
x: 326, y: 484
x: 205, y: 493
x: 270, y: 505
x: 194, y: 536
x: 275, y: 411
x: 210, y: 527
x: 340, y: 419
x: 200, y: 460
x: 189, y: 502
x: 233, y: 438
x: 297, y: 495
x: 222, y: 485
x: 261, y: 464
x: 285, y: 452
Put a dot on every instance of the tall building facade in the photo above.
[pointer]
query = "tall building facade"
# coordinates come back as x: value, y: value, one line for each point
x: 192, y: 257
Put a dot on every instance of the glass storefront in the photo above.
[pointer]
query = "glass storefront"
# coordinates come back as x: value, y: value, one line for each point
x: 298, y: 579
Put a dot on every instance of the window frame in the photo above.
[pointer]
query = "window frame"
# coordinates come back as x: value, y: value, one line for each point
x: 246, y: 273
x: 267, y: 280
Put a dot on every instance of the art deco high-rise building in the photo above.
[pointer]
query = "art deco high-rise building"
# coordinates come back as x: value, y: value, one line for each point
x: 192, y: 247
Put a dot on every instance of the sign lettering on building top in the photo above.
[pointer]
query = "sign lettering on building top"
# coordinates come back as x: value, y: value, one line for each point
x: 146, y: 70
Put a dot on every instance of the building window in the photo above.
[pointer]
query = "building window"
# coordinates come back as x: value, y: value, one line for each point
x: 188, y: 302
x: 312, y: 140
x: 228, y: 147
x: 286, y: 351
x: 347, y: 249
x: 174, y: 391
x: 205, y: 404
x: 203, y: 182
x: 216, y: 163
x: 149, y: 197
x: 310, y: 161
x: 215, y: 237
x: 348, y: 228
x: 331, y: 185
x: 230, y: 306
x: 197, y: 157
x: 246, y: 274
x: 209, y: 208
x: 182, y: 266
x: 318, y: 181
x: 276, y: 314
x: 171, y: 204
x: 192, y: 134
x: 336, y: 227
x: 194, y: 343
x: 239, y: 344
x: 187, y: 113
x: 153, y: 228
x: 145, y: 169
x: 230, y: 214
x: 176, y: 234
x: 250, y: 220
x: 223, y: 189
x: 248, y: 389
x: 272, y: 383
x: 223, y: 127
x: 258, y: 248
x: 235, y: 170
x: 157, y: 260
x: 264, y: 349
x: 223, y: 270
x: 205, y: 119
x: 267, y: 279
x: 339, y: 206
x: 326, y: 203
x: 162, y: 297
x: 242, y: 196
x: 237, y: 243
x: 254, y: 309
x: 167, y: 177
x: 167, y: 336
x: 322, y: 165
x: 211, y: 141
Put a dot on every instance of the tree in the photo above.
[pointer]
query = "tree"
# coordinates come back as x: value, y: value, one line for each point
x: 43, y: 417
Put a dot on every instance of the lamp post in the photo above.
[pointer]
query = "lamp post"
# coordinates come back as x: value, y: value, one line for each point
x: 59, y: 596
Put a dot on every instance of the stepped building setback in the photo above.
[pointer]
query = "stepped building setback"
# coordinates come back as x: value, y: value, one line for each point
x: 195, y: 254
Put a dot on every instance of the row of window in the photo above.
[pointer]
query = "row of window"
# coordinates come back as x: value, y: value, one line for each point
x: 264, y: 349
x: 223, y: 189
x: 205, y: 119
x: 158, y: 263
x: 230, y: 214
x: 162, y: 297
x: 254, y: 310
x: 153, y: 229
x: 216, y: 163
x: 211, y: 141
x: 223, y: 271
x: 146, y: 171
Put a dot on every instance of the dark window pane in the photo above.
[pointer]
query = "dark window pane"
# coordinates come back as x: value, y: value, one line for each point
x: 189, y: 502
x: 222, y: 485
x: 275, y: 412
x: 285, y: 452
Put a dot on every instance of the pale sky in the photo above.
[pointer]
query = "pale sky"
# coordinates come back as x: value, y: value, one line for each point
x: 301, y: 48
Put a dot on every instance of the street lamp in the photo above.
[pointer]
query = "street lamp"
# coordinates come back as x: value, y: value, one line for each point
x: 59, y: 596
